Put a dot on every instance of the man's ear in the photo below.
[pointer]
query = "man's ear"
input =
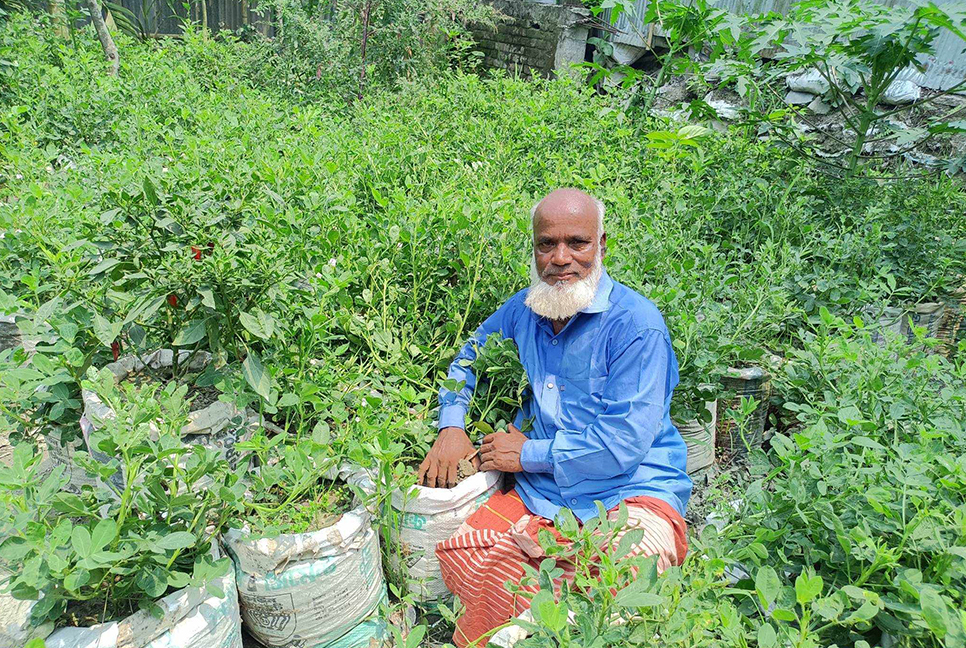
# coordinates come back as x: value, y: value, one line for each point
x: 603, y: 245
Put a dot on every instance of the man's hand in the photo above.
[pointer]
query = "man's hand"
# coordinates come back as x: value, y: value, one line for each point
x: 438, y: 469
x: 501, y: 450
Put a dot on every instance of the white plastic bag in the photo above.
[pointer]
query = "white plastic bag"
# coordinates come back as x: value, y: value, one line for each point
x: 900, y: 93
x: 192, y: 618
x: 810, y: 81
x: 430, y: 516
x: 700, y: 438
x: 311, y: 589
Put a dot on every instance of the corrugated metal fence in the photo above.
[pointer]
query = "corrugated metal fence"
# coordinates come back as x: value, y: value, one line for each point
x: 946, y: 68
x: 166, y: 16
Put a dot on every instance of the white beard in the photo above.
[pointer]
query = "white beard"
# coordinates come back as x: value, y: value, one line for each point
x: 562, y: 301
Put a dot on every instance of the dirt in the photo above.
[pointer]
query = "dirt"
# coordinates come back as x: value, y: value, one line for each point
x: 200, y: 397
x: 315, y: 513
x: 84, y: 614
x: 464, y: 470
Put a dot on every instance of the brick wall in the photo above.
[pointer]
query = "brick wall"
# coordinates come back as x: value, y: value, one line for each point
x: 538, y: 39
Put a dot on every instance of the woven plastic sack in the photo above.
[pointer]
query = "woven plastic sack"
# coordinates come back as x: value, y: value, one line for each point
x: 429, y: 516
x: 700, y: 439
x: 928, y: 315
x: 747, y: 382
x: 192, y: 618
x: 311, y: 589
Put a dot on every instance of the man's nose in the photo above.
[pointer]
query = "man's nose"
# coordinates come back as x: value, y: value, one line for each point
x: 561, y: 255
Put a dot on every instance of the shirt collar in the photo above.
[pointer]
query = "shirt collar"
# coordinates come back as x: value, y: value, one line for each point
x: 602, y: 297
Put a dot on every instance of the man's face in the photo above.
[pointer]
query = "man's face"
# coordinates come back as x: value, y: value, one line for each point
x: 565, y: 244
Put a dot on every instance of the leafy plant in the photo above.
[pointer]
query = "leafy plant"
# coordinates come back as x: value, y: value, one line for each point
x: 856, y: 45
x: 683, y: 26
x: 295, y: 488
x: 110, y: 551
x: 502, y: 386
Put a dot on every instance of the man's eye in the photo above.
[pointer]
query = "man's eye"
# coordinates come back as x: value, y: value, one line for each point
x: 580, y: 245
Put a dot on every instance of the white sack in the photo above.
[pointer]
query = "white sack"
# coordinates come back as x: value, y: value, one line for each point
x: 430, y: 516
x: 810, y: 81
x: 310, y: 589
x: 192, y: 618
x: 700, y: 439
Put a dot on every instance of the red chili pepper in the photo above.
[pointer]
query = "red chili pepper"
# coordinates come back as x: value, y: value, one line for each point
x: 211, y: 247
x: 116, y: 349
x: 196, y: 253
x: 173, y: 300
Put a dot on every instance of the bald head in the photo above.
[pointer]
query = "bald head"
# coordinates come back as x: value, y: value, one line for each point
x: 570, y: 204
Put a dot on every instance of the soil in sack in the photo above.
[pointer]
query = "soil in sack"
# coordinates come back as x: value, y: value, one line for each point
x: 309, y: 569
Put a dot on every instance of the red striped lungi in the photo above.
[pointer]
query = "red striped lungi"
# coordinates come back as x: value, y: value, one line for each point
x: 492, y: 545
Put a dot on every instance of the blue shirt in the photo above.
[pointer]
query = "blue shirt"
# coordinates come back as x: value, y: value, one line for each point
x: 600, y: 404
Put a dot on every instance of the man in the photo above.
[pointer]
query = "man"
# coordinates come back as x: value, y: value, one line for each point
x: 602, y: 371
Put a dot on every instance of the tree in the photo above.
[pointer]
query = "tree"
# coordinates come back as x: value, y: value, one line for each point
x: 104, y: 35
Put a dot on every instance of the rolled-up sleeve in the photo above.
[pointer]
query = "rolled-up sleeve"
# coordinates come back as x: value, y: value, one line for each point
x: 454, y: 405
x: 616, y: 442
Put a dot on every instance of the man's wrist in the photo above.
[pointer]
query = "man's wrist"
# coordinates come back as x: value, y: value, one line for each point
x: 535, y: 456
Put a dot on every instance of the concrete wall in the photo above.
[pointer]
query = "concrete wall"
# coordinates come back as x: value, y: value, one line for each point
x: 538, y: 40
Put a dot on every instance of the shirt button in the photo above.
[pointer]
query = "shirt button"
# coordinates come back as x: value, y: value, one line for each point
x: 574, y: 502
x: 554, y: 342
x: 549, y: 385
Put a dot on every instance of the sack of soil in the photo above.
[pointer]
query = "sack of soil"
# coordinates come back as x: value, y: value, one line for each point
x: 311, y: 589
x: 428, y: 516
x: 214, y: 424
x: 699, y: 436
x: 190, y: 618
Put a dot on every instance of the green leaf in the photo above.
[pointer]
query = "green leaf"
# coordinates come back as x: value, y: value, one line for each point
x: 415, y: 638
x: 808, y: 588
x: 176, y: 540
x: 261, y: 325
x: 77, y: 579
x: 192, y: 332
x: 256, y: 376
x: 632, y: 599
x: 80, y: 540
x: 105, y: 331
x: 149, y: 191
x: 207, y: 296
x: 154, y: 582
x: 104, y: 533
x: 767, y: 585
x: 934, y: 612
x: 767, y: 637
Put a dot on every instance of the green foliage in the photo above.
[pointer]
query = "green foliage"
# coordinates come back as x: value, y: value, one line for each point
x: 357, y: 245
x: 139, y: 534
x: 857, y: 45
x: 502, y: 386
